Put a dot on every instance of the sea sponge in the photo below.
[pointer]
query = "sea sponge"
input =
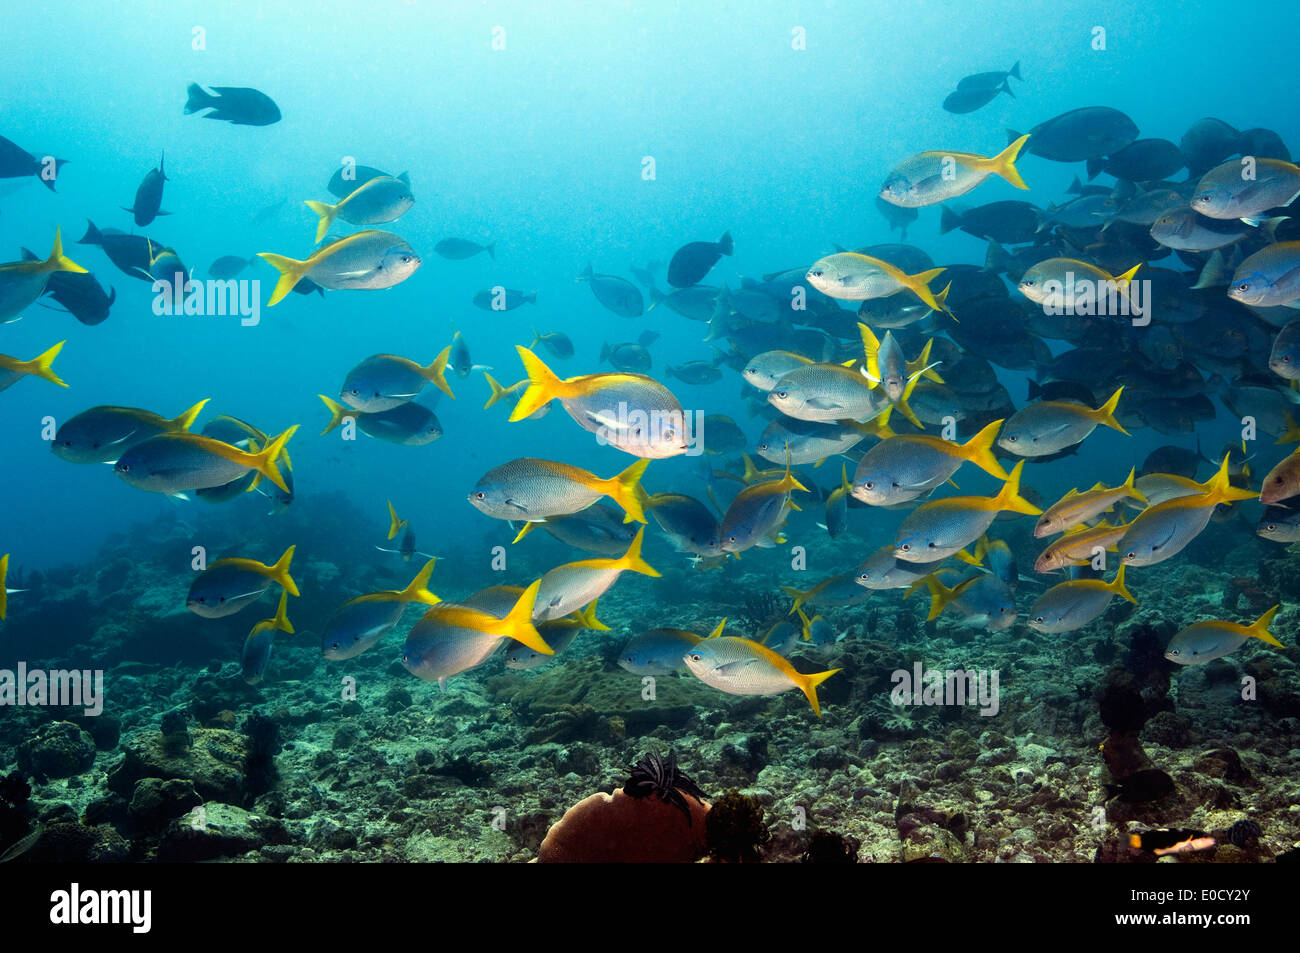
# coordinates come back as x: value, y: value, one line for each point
x: 614, y: 829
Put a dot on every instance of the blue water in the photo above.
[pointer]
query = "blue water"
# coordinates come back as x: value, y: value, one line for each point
x: 539, y: 148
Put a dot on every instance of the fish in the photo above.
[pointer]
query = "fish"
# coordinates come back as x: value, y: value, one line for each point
x: 16, y: 162
x: 1078, y: 547
x: 1080, y: 134
x: 906, y: 467
x: 504, y: 299
x: 695, y: 303
x: 985, y: 601
x: 1186, y: 229
x: 1164, y: 529
x: 827, y: 393
x: 694, y: 260
x: 630, y: 357
x: 758, y: 512
x: 842, y: 589
x: 5, y: 592
x: 805, y: 441
x: 376, y: 201
x: 1149, y: 784
x: 460, y: 360
x: 229, y: 585
x: 571, y: 586
x: 1207, y: 143
x: 743, y: 667
x: 1280, y: 525
x: 368, y: 260
x: 837, y: 506
x: 237, y: 105
x: 1070, y: 285
x: 384, y: 381
x: 720, y: 434
x: 695, y: 372
x: 532, y: 489
x: 974, y: 92
x: 452, y: 638
x: 80, y: 294
x: 850, y: 276
x: 941, y: 528
x: 1142, y: 160
x: 102, y: 434
x: 1284, y: 358
x: 1166, y: 841
x: 1268, y: 278
x: 131, y: 253
x: 898, y: 218
x: 689, y: 525
x: 595, y: 529
x: 361, y: 622
x: 616, y: 294
x: 1007, y: 222
x: 406, y: 548
x: 1079, y: 507
x: 660, y: 651
x: 23, y: 844
x: 556, y: 342
x: 929, y: 178
x: 816, y: 633
x: 458, y: 249
x: 348, y: 178
x: 765, y: 369
x: 410, y: 424
x: 1226, y: 192
x: 883, y: 570
x: 632, y: 412
x: 1071, y: 605
x: 559, y: 635
x: 1049, y: 426
x: 22, y: 282
x: 1203, y: 642
x: 1282, y: 482
x: 177, y: 462
x: 256, y: 652
x: 13, y: 370
x: 148, y: 197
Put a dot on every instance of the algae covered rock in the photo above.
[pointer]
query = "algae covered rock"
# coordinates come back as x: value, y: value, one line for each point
x: 58, y: 749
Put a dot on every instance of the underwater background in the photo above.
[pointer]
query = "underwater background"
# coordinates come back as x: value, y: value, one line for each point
x: 775, y: 122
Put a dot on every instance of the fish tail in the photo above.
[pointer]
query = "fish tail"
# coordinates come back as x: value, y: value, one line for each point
x: 281, y: 620
x: 537, y: 339
x: 338, y: 411
x: 979, y: 451
x: 436, y: 373
x: 625, y: 490
x: 59, y: 261
x: 1015, y: 70
x: 199, y: 98
x: 1009, y: 497
x: 518, y: 623
x: 948, y: 220
x: 1004, y: 163
x: 418, y: 590
x: 327, y: 213
x: 4, y: 595
x: 940, y: 596
x: 904, y: 407
x: 586, y: 617
x: 725, y: 244
x: 186, y: 420
x: 1219, y: 488
x: 1105, y: 414
x: 1117, y: 585
x: 43, y: 366
x: 631, y: 560
x: 1130, y: 486
x: 543, y: 385
x: 808, y: 685
x: 1122, y: 281
x: 527, y: 528
x: 870, y: 351
x: 280, y: 572
x: 265, y: 459
x: 1257, y: 631
x: 919, y: 285
x: 93, y: 235
x: 922, y: 363
x: 798, y: 595
x: 497, y: 390
x: 394, y: 524
x: 291, y: 272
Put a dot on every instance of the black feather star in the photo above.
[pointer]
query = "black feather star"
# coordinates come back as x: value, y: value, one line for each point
x: 654, y: 775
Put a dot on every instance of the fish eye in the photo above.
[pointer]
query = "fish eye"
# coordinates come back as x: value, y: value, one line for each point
x: 1011, y: 438
x: 1175, y: 652
x: 695, y: 656
x: 669, y: 434
x: 1244, y: 287
x: 864, y: 575
x: 870, y: 484
x: 931, y: 545
x: 816, y: 273
x: 124, y: 467
x: 480, y: 495
x: 1278, y: 480
x: 1270, y: 527
x: 1039, y: 619
x: 781, y: 394
x: 906, y: 547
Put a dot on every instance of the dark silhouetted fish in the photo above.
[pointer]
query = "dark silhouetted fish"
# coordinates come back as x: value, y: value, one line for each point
x: 1079, y: 135
x: 148, y: 197
x: 974, y: 92
x: 692, y: 261
x: 16, y: 162
x: 1143, y: 160
x: 133, y: 254
x: 1009, y: 222
x: 347, y: 179
x: 458, y: 249
x: 237, y: 105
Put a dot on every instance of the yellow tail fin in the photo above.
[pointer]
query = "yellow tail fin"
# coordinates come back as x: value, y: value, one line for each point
x: 497, y: 390
x: 280, y: 572
x: 394, y: 524
x: 326, y: 213
x: 624, y: 490
x: 281, y: 620
x: 919, y: 285
x: 808, y: 685
x: 979, y: 451
x: 518, y: 623
x: 291, y: 272
x: 1004, y: 163
x: 436, y: 373
x: 1122, y: 281
x: 1009, y: 497
x: 543, y: 385
x: 1130, y: 485
x: 43, y: 366
x: 1257, y: 631
x: 586, y: 617
x: 1105, y: 414
x: 186, y: 420
x: 631, y: 560
x: 418, y: 589
x: 266, y: 459
x: 4, y: 595
x: 1117, y: 585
